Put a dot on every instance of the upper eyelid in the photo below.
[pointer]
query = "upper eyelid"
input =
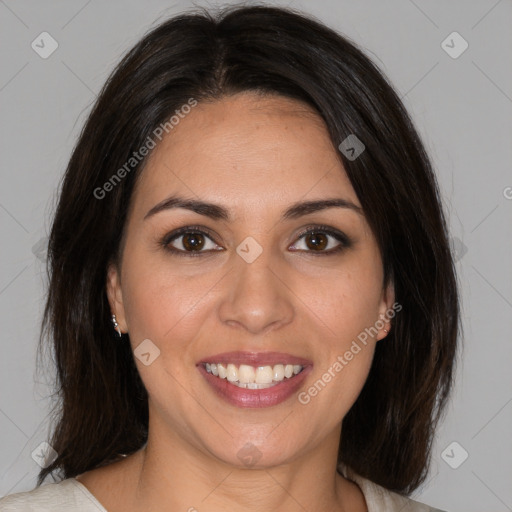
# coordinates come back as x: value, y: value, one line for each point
x: 176, y: 233
x: 323, y: 229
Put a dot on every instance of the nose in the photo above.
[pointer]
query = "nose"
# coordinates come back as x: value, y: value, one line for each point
x: 256, y: 296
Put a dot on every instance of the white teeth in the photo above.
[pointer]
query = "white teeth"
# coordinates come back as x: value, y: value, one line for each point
x: 222, y: 371
x: 264, y: 375
x: 246, y: 376
x: 278, y: 372
x: 232, y: 373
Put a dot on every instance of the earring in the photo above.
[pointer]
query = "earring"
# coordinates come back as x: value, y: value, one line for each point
x: 386, y: 331
x: 116, y: 326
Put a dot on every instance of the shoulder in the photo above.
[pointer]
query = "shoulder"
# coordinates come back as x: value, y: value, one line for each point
x: 68, y: 495
x: 380, y: 499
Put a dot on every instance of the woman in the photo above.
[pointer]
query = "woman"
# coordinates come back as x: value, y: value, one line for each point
x: 252, y: 299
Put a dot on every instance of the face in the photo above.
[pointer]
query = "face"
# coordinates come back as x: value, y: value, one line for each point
x: 254, y: 282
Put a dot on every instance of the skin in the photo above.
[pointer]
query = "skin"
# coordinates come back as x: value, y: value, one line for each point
x: 255, y: 156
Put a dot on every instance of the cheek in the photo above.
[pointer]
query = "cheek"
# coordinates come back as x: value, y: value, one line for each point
x: 351, y: 378
x: 168, y: 310
x: 156, y: 297
x: 346, y: 301
x: 340, y: 375
x: 345, y: 308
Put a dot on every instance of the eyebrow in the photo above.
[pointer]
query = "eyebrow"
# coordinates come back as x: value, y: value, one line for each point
x: 218, y: 212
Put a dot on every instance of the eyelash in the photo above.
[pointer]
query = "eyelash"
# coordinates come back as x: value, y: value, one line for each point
x: 344, y: 240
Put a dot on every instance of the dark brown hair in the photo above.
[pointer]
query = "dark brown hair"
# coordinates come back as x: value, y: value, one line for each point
x: 102, y: 409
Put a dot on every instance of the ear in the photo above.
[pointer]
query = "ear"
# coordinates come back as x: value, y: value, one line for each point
x: 385, y: 307
x: 115, y: 296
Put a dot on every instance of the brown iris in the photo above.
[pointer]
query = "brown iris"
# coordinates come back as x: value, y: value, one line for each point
x: 193, y: 241
x: 316, y: 241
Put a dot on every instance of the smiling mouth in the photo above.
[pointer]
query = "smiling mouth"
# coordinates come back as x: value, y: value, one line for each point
x: 251, y: 377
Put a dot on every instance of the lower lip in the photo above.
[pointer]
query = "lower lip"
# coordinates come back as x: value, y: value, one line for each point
x: 255, y: 398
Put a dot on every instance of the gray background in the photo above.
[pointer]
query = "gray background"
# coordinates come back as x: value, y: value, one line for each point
x: 462, y: 107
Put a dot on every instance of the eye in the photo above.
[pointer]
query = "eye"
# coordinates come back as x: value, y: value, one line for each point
x: 321, y: 240
x: 189, y: 241
x: 196, y: 241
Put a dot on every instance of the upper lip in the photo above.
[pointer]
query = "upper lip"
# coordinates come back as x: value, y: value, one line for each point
x: 255, y: 358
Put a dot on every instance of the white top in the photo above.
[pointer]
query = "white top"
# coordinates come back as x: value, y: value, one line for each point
x: 72, y: 496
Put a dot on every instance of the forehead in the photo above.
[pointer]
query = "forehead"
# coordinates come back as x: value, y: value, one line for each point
x: 245, y: 150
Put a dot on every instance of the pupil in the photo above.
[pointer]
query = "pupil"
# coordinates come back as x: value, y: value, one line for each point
x: 193, y: 241
x: 316, y: 241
